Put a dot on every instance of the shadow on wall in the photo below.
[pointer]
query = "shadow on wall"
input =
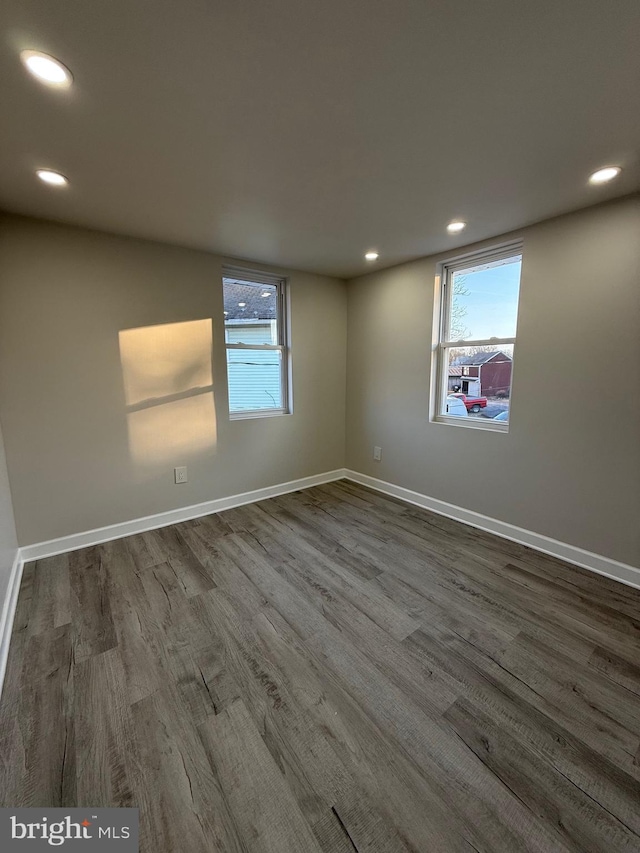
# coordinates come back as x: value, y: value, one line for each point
x: 168, y: 385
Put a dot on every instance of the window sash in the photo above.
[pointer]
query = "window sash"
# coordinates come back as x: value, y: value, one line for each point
x: 279, y: 347
x: 442, y: 380
x: 488, y: 257
x: 469, y: 262
x: 243, y: 414
x: 258, y: 278
x: 447, y: 269
x: 251, y: 276
x: 265, y: 410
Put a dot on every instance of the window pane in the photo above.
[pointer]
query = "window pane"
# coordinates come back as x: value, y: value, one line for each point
x: 478, y: 382
x: 250, y: 312
x: 484, y: 300
x: 255, y: 379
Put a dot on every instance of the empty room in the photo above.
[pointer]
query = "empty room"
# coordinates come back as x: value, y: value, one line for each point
x: 320, y: 426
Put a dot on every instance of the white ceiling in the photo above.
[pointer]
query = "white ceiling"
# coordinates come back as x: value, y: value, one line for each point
x: 304, y: 132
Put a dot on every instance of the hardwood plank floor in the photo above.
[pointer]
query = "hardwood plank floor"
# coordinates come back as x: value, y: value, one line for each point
x: 329, y: 670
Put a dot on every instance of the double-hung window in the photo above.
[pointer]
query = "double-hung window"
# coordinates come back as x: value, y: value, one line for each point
x: 477, y: 337
x: 256, y: 339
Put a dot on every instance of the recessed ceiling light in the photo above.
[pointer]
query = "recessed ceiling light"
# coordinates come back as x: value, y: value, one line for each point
x: 46, y: 69
x: 241, y: 304
x: 266, y: 293
x: 456, y: 226
x: 51, y: 177
x: 608, y: 173
x: 371, y: 256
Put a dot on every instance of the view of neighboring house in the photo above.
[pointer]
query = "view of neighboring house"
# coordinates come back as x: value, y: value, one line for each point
x: 486, y: 374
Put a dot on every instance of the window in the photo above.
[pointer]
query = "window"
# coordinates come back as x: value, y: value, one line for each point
x: 477, y: 337
x: 256, y: 338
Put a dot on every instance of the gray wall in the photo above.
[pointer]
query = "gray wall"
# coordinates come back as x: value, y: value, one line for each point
x: 78, y: 456
x: 8, y: 540
x: 569, y: 467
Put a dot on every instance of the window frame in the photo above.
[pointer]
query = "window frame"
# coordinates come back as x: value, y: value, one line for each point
x: 283, y: 346
x: 445, y: 271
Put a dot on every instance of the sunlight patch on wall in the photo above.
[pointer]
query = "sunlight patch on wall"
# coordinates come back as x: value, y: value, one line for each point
x: 168, y: 385
x: 169, y: 432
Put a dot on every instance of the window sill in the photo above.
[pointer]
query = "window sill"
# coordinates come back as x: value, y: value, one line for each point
x: 258, y: 413
x: 472, y: 423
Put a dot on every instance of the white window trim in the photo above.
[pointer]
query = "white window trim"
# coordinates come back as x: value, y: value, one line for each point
x: 283, y: 345
x: 441, y: 316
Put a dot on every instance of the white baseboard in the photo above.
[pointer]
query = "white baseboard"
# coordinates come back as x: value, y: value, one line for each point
x: 578, y: 556
x: 173, y: 516
x: 9, y: 612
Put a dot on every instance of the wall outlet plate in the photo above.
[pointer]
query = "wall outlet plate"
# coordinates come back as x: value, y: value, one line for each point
x: 377, y: 454
x: 180, y: 474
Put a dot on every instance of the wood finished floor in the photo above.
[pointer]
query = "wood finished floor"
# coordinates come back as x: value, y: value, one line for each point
x: 329, y: 670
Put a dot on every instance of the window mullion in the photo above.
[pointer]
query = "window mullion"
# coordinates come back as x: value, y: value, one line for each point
x: 258, y: 347
x: 486, y: 342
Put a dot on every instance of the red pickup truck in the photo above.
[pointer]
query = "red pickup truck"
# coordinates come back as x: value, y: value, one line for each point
x: 472, y: 404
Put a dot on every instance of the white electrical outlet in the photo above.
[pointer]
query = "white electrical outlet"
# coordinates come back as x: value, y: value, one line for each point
x: 377, y: 454
x: 180, y: 474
